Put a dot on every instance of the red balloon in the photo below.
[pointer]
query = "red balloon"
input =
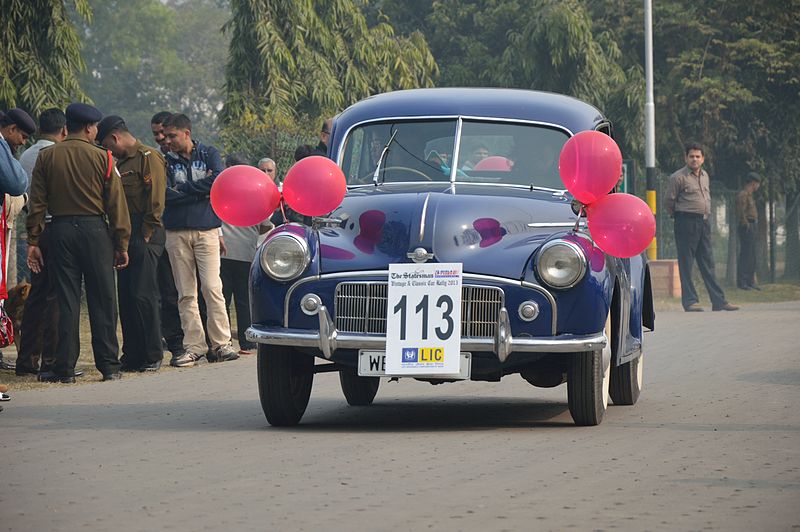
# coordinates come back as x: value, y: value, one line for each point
x: 590, y: 165
x: 244, y: 195
x: 494, y: 163
x: 314, y: 186
x: 621, y: 225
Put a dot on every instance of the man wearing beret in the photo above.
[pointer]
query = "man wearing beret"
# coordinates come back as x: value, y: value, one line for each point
x: 79, y: 184
x: 747, y: 218
x: 144, y: 180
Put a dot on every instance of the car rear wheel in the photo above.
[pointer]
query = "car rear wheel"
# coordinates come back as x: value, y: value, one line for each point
x: 359, y: 391
x: 284, y: 383
x: 588, y: 382
x: 626, y: 381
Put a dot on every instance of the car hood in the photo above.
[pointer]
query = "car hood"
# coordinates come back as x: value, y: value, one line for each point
x: 491, y: 230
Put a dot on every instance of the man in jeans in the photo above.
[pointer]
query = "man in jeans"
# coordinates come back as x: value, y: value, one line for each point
x: 193, y: 242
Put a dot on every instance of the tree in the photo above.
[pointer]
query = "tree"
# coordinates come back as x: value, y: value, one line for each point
x: 543, y: 44
x: 40, y: 54
x: 313, y: 58
x: 136, y: 73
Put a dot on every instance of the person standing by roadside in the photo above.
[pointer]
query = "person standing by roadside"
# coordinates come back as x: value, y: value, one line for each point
x: 269, y: 167
x: 324, y: 137
x: 157, y: 127
x: 79, y: 184
x: 15, y: 128
x: 241, y: 243
x: 39, y: 334
x: 193, y: 242
x: 688, y: 200
x: 171, y: 329
x: 747, y: 220
x: 143, y: 176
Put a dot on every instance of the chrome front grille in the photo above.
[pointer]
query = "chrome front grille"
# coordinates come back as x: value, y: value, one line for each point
x: 361, y: 308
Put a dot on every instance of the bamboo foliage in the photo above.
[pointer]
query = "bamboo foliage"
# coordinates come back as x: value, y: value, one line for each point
x: 40, y: 54
x: 313, y: 58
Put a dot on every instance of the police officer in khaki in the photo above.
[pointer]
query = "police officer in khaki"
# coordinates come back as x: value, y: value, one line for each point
x: 78, y: 183
x: 143, y: 173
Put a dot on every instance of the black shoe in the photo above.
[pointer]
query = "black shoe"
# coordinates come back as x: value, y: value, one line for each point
x: 743, y: 287
x: 49, y: 376
x: 22, y: 372
x: 125, y: 368
x: 694, y: 307
x: 155, y: 366
x: 112, y: 377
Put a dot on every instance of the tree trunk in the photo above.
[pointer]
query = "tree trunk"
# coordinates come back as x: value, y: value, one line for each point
x: 792, y: 260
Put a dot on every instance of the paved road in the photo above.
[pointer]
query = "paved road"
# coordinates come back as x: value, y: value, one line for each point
x: 714, y: 443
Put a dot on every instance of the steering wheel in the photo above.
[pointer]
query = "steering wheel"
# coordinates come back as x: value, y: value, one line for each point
x: 402, y: 169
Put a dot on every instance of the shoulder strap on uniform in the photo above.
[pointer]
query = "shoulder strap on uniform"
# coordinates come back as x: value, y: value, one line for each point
x: 110, y: 164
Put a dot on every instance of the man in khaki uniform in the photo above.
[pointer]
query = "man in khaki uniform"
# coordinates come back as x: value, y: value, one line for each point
x: 80, y: 186
x: 747, y: 220
x: 144, y: 179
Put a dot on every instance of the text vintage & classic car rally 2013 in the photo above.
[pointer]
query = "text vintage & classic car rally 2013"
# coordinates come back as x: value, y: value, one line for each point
x: 449, y: 235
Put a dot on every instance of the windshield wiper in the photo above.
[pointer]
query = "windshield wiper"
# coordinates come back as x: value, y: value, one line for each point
x: 380, y: 159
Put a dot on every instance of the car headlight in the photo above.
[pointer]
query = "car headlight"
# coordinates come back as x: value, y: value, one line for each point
x: 285, y: 256
x: 561, y: 263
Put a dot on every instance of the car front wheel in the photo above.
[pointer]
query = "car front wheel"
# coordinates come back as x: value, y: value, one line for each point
x: 626, y: 381
x: 588, y: 382
x: 284, y: 383
x: 359, y: 391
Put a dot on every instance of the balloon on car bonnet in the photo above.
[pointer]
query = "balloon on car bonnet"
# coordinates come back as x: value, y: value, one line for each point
x: 314, y: 186
x: 244, y: 195
x: 590, y: 165
x: 622, y: 225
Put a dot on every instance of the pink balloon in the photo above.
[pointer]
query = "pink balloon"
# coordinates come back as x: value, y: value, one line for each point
x: 621, y: 225
x: 314, y: 186
x: 590, y: 165
x: 244, y: 195
x: 494, y: 163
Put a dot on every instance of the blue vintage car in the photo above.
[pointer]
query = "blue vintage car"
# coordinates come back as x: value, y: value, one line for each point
x: 453, y: 176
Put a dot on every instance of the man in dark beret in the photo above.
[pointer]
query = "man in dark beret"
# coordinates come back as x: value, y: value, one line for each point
x: 747, y: 221
x: 79, y: 185
x: 144, y: 180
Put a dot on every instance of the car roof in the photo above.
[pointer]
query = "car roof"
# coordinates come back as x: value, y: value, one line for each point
x: 536, y: 106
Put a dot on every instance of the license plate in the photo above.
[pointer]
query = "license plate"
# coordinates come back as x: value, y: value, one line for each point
x: 373, y: 364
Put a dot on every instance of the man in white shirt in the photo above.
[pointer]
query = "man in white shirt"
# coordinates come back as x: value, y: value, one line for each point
x: 52, y: 129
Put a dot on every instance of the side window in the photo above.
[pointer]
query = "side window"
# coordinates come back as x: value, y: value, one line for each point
x: 606, y: 128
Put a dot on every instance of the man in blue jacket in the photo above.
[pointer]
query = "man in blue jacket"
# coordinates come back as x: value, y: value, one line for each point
x: 193, y: 242
x: 15, y: 127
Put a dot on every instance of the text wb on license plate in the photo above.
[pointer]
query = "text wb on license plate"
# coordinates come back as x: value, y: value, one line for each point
x: 373, y: 364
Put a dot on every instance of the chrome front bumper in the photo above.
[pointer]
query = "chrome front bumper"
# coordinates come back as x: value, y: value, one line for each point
x: 327, y: 339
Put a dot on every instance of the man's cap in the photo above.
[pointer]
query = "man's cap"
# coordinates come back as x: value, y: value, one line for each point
x: 753, y: 177
x: 107, y: 125
x: 83, y: 113
x: 22, y: 120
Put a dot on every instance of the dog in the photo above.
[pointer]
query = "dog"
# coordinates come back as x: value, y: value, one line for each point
x: 14, y: 305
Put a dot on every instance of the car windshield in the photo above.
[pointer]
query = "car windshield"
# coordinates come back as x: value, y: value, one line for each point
x: 422, y: 150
